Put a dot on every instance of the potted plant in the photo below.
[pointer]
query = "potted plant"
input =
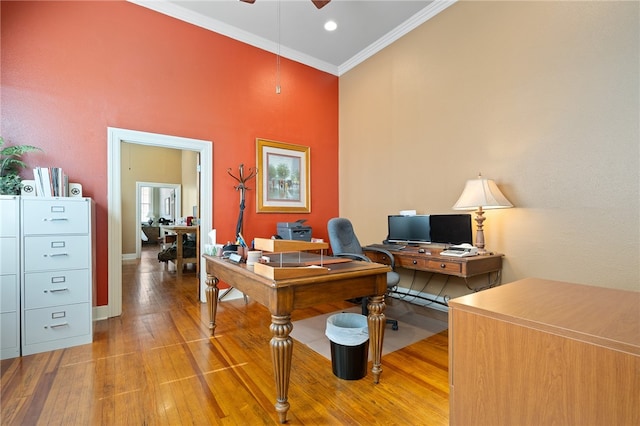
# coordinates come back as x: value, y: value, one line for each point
x: 10, y: 165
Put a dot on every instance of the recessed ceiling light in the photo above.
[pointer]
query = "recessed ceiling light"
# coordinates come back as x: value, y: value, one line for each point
x: 330, y: 25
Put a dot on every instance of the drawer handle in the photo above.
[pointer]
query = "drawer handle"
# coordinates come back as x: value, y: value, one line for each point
x: 55, y: 290
x: 415, y: 262
x: 54, y: 219
x: 443, y: 265
x: 64, y: 324
x: 56, y: 254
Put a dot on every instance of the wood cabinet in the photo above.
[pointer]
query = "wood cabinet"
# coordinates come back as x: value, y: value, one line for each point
x: 9, y: 276
x: 58, y: 260
x: 540, y: 352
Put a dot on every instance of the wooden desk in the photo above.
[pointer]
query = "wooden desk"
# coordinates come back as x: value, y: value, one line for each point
x: 180, y: 231
x: 344, y: 281
x: 463, y: 267
x: 540, y: 352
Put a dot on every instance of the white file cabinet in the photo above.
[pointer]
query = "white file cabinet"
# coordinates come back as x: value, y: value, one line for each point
x: 9, y: 276
x: 58, y: 275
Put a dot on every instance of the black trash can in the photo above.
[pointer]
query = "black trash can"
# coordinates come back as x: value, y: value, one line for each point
x: 349, y: 336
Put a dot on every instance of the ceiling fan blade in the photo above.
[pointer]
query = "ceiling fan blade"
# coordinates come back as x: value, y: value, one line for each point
x: 320, y: 3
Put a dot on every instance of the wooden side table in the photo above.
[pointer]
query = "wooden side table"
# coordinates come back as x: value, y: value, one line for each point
x: 179, y: 231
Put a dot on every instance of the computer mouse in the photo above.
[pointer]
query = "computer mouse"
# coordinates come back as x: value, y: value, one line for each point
x: 421, y: 250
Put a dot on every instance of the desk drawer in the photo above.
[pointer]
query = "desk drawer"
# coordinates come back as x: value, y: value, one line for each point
x: 432, y: 265
x: 377, y: 257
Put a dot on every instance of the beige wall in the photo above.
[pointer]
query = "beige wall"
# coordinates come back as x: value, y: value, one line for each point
x: 543, y: 97
x: 189, y: 182
x: 142, y: 163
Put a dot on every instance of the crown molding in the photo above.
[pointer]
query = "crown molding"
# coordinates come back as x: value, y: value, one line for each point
x: 409, y: 25
x: 178, y: 12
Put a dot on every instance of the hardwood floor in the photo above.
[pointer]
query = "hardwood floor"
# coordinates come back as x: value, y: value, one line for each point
x: 157, y: 365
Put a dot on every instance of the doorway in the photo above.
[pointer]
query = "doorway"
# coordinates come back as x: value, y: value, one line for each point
x: 155, y: 203
x: 115, y: 137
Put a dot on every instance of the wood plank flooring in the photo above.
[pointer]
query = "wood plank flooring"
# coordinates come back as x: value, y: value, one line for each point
x: 157, y: 365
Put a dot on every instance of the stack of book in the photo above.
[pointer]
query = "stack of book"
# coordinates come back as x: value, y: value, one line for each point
x: 51, y: 182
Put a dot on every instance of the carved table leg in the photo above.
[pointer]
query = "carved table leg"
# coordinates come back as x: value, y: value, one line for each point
x: 376, y: 321
x: 281, y: 350
x: 211, y: 293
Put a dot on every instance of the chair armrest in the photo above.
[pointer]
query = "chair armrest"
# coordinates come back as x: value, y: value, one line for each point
x: 392, y: 260
x: 354, y: 256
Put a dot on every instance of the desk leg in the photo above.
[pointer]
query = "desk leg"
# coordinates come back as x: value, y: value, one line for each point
x: 281, y: 351
x: 377, y: 322
x: 211, y: 293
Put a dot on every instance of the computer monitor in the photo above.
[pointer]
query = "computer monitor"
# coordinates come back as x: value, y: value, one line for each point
x: 451, y: 228
x: 409, y: 229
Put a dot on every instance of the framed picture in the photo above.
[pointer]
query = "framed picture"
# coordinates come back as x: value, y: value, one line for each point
x: 283, y: 177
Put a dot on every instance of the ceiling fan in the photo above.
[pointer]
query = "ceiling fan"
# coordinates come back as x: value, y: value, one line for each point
x: 318, y: 3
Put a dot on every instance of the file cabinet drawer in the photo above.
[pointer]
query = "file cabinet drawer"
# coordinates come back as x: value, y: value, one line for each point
x: 56, y: 253
x: 9, y: 217
x: 8, y: 293
x: 8, y: 328
x: 60, y: 322
x: 52, y: 216
x: 44, y: 289
x: 9, y: 257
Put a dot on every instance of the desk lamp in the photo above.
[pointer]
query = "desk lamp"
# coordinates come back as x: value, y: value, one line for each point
x: 481, y: 194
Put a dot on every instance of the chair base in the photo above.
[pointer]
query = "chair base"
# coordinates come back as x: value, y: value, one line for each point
x: 394, y: 323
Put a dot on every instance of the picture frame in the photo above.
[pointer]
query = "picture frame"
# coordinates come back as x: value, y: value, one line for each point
x: 283, y: 177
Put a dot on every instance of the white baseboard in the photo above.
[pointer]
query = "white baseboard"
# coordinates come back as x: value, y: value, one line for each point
x: 129, y: 256
x: 101, y: 312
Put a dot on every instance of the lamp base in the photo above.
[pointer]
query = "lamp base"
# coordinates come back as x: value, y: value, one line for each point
x: 480, y: 232
x: 482, y: 252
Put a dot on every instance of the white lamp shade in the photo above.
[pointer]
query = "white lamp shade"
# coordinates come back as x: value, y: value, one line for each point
x: 481, y: 193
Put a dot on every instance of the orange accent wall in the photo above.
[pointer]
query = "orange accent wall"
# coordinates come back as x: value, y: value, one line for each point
x: 71, y: 69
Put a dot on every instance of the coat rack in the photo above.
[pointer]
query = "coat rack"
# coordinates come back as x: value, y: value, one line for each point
x: 242, y: 187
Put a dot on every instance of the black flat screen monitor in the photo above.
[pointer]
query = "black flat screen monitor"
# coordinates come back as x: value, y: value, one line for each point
x: 451, y: 228
x: 409, y: 229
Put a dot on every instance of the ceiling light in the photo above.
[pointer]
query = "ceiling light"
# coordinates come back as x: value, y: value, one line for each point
x: 330, y: 25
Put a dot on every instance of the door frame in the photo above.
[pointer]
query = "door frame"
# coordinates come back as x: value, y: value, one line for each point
x: 115, y: 137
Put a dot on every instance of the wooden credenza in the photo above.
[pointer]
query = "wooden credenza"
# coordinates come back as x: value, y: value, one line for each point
x: 432, y: 261
x: 540, y: 352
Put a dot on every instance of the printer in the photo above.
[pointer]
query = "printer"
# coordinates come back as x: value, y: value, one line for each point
x: 294, y: 230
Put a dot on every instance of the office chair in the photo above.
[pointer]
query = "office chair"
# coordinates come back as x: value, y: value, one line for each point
x: 344, y: 243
